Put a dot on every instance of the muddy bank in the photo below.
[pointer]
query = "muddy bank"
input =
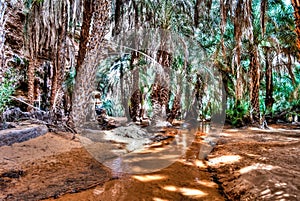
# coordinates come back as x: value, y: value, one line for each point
x: 254, y: 164
x: 47, y: 166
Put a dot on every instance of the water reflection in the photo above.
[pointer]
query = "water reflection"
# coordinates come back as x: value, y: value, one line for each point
x: 149, y: 157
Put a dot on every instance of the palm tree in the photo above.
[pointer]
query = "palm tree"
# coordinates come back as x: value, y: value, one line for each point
x: 258, y: 37
x: 242, y: 48
x: 97, y: 15
x: 45, y: 41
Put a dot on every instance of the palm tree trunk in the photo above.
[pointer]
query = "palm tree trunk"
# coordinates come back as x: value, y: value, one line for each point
x: 197, y: 13
x: 84, y: 32
x: 59, y: 60
x: 160, y: 92
x: 124, y: 98
x: 254, y: 86
x: 196, y: 106
x: 296, y: 5
x: 238, y: 40
x: 175, y: 107
x: 269, y: 83
x: 85, y: 74
x: 136, y: 97
x: 118, y: 13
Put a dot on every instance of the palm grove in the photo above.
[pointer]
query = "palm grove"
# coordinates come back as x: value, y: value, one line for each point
x: 55, y: 53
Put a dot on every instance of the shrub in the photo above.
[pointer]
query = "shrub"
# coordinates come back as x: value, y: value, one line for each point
x: 7, y: 88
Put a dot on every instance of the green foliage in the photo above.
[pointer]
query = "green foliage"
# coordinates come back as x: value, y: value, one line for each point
x: 29, y: 3
x: 108, y: 105
x: 7, y: 88
x: 237, y: 113
x: 286, y: 94
x: 70, y: 80
x: 111, y: 73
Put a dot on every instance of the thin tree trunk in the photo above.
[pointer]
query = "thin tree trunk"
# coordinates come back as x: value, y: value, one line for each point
x: 197, y: 12
x: 118, y: 14
x: 269, y: 83
x: 176, y: 103
x: 54, y: 85
x: 47, y: 73
x: 31, y: 77
x: 2, y: 37
x: 136, y: 97
x: 263, y: 10
x: 196, y: 106
x: 223, y: 15
x: 123, y: 95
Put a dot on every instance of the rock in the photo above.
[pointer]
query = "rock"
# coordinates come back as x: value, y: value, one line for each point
x: 15, y: 114
x: 145, y: 122
x: 7, y: 125
x: 159, y: 137
x: 105, y: 121
x: 21, y: 134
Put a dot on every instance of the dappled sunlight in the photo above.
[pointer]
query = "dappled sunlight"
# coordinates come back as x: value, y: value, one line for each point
x: 252, y: 155
x: 288, y: 130
x: 148, y: 149
x: 226, y: 134
x: 170, y: 188
x: 257, y: 166
x: 207, y: 183
x: 186, y: 162
x: 98, y: 191
x: 224, y: 159
x: 233, y: 130
x: 159, y: 199
x: 255, y: 129
x: 265, y: 192
x: 275, y: 130
x: 148, y: 178
x: 191, y: 192
x: 200, y: 164
x: 278, y: 195
x: 270, y: 130
x: 136, y: 158
x: 197, y: 163
x: 283, y: 184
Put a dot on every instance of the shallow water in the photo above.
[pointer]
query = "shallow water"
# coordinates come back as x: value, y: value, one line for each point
x: 130, y: 150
